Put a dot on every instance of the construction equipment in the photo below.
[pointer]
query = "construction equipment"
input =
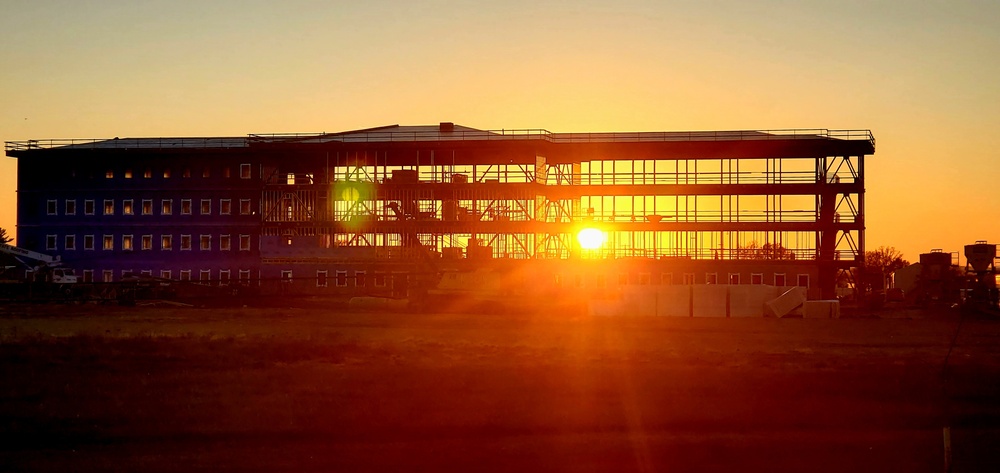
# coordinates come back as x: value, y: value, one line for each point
x: 47, y: 277
x: 981, y: 273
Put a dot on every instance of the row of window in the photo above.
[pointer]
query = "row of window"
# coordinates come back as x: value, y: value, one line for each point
x: 227, y: 172
x: 224, y: 276
x: 360, y: 278
x: 146, y: 242
x: 146, y: 207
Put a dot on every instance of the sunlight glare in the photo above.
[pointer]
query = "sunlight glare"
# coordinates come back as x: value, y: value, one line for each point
x: 591, y: 238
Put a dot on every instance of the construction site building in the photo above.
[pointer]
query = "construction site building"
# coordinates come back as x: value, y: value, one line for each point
x: 364, y: 211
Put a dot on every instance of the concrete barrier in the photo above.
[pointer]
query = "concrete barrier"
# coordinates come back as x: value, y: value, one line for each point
x: 709, y: 300
x: 788, y: 301
x: 825, y: 309
x: 750, y: 301
x: 673, y: 301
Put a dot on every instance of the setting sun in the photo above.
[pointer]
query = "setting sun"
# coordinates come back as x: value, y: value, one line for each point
x: 591, y: 238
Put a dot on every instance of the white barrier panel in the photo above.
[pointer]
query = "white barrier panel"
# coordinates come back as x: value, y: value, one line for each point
x: 638, y: 300
x: 750, y: 301
x: 709, y: 300
x: 829, y: 309
x: 673, y: 301
x: 786, y: 302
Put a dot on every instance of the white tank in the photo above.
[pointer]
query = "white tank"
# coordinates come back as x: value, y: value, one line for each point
x: 981, y: 255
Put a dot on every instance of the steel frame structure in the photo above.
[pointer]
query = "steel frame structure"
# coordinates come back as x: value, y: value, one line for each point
x: 788, y: 194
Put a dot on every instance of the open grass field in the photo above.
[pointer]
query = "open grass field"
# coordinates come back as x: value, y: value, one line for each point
x: 303, y: 390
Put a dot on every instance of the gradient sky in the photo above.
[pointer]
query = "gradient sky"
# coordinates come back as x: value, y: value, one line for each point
x: 924, y: 76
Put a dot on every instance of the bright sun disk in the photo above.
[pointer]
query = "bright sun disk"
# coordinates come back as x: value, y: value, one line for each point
x: 591, y: 238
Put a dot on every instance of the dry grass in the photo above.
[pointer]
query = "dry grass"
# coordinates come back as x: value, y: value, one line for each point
x: 309, y: 390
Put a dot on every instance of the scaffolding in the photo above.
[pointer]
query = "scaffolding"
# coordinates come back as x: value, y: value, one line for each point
x: 788, y: 195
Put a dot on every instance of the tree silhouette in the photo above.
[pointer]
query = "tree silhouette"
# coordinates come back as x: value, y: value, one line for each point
x: 880, y: 264
x: 4, y: 238
x: 768, y: 251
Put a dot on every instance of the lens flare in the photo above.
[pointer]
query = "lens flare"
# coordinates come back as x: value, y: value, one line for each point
x: 591, y: 238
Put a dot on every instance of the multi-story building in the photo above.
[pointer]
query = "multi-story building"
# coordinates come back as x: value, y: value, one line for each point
x: 362, y: 211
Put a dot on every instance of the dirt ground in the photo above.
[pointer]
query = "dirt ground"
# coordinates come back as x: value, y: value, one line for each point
x: 86, y: 388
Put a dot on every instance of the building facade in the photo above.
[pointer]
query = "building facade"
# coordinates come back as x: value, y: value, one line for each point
x: 370, y: 211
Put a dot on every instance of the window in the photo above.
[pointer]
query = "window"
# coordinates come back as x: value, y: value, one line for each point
x: 341, y: 278
x: 146, y: 272
x: 109, y: 242
x: 166, y: 173
x: 185, y: 275
x: 688, y: 279
x: 224, y: 277
x: 711, y: 278
x: 147, y: 174
x: 109, y: 207
x: 321, y: 279
x: 379, y: 279
x: 779, y: 279
x: 88, y: 275
x: 602, y: 281
x: 166, y: 242
x: 107, y: 275
x: 50, y: 242
x: 206, y: 206
x: 185, y: 242
x: 286, y: 276
x: 128, y: 174
x: 206, y: 172
x: 244, y: 242
x: 109, y: 174
x: 88, y: 242
x: 147, y: 206
x: 734, y: 278
x: 205, y: 275
x: 147, y: 242
x: 666, y: 279
x: 88, y: 207
x: 756, y: 278
x: 127, y: 207
x: 185, y: 206
x: 50, y: 207
x: 166, y: 207
x: 205, y: 242
x: 126, y: 273
x: 224, y: 243
x: 71, y: 207
x: 803, y: 280
x: 622, y: 279
x: 186, y: 173
x: 70, y: 242
x: 644, y: 279
x: 360, y: 279
x: 244, y: 206
x: 227, y: 172
x: 165, y: 274
x: 244, y: 275
x: 127, y: 242
x: 225, y: 206
x: 244, y: 171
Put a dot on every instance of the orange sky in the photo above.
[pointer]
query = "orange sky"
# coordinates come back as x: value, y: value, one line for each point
x: 923, y: 78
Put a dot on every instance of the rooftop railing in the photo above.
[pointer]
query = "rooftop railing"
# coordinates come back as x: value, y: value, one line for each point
x: 126, y: 143
x: 437, y: 135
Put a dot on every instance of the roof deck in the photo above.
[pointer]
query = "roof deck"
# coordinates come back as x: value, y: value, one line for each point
x: 435, y: 133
